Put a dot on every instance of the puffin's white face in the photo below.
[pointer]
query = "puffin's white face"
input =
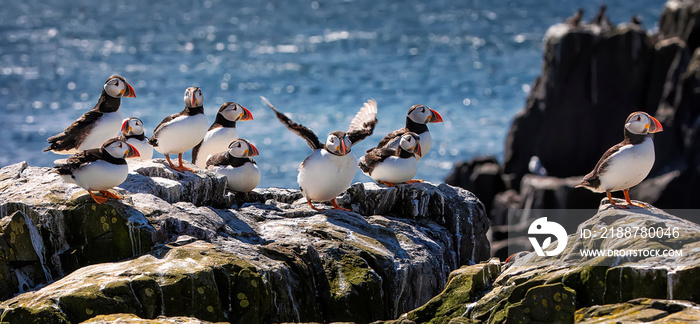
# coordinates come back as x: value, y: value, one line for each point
x: 641, y: 123
x: 132, y: 126
x: 337, y: 145
x: 235, y: 112
x: 117, y: 87
x: 193, y: 97
x: 241, y: 148
x: 421, y: 114
x: 120, y: 149
x: 411, y: 143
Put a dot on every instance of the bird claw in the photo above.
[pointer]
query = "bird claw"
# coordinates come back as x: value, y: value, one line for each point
x: 109, y: 194
x: 98, y: 199
x: 388, y: 184
x: 336, y: 206
x: 414, y: 181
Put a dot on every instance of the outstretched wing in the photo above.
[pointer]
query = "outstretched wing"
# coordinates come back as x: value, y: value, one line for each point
x: 299, y: 129
x: 363, y: 124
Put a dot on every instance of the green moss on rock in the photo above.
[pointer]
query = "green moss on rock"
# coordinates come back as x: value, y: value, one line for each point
x: 456, y: 300
x: 552, y: 303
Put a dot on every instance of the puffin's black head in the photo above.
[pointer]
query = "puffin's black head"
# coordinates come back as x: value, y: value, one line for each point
x: 641, y: 123
x: 117, y: 87
x: 338, y: 143
x: 119, y: 149
x: 242, y: 148
x: 132, y: 126
x: 410, y: 142
x: 193, y: 97
x: 235, y: 112
x: 421, y: 114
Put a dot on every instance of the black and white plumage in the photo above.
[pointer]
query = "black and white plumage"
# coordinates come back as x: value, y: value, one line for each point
x: 416, y: 121
x: 182, y: 131
x: 390, y: 166
x: 98, y: 169
x: 97, y: 125
x: 241, y: 171
x: 330, y: 168
x: 133, y: 133
x: 220, y: 133
x: 627, y: 163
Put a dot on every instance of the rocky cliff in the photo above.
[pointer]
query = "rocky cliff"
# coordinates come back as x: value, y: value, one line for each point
x: 594, y: 74
x: 572, y: 287
x: 178, y: 245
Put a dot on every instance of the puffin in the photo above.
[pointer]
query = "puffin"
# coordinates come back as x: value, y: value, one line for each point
x: 182, y: 131
x: 220, y: 133
x: 98, y: 169
x: 627, y: 163
x: 390, y: 166
x: 416, y: 121
x: 330, y: 168
x: 241, y: 171
x: 96, y: 126
x: 132, y: 133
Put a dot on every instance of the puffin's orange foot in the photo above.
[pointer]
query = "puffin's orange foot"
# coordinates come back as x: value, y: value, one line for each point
x: 388, y: 184
x: 312, y: 206
x: 109, y: 194
x: 98, y: 199
x: 414, y: 181
x: 638, y: 205
x: 614, y: 205
x: 335, y: 206
x: 181, y: 168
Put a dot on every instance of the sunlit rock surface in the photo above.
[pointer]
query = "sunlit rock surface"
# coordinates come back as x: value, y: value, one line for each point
x: 572, y: 286
x: 178, y: 245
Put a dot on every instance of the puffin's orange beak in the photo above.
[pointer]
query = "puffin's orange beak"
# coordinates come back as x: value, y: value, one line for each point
x: 656, y: 127
x: 253, y: 150
x: 434, y: 117
x: 129, y: 91
x: 193, y: 101
x: 418, y: 150
x: 125, y: 126
x: 132, y: 152
x: 247, y: 115
x: 343, y: 147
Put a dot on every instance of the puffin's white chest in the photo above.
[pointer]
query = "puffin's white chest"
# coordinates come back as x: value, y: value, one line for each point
x: 395, y: 170
x: 100, y: 175
x: 215, y: 141
x: 181, y: 134
x: 105, y: 128
x: 628, y: 167
x: 242, y: 179
x: 145, y: 149
x: 426, y: 142
x: 323, y: 176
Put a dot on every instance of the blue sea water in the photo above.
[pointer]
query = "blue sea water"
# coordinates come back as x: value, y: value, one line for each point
x: 473, y: 61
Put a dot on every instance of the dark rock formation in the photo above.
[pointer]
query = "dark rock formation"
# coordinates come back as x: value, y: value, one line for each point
x: 572, y: 286
x: 593, y: 76
x: 177, y: 245
x: 482, y: 176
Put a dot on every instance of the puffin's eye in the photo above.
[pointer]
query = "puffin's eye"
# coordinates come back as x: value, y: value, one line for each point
x: 117, y: 83
x: 239, y: 144
x: 639, y: 118
x: 422, y: 110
